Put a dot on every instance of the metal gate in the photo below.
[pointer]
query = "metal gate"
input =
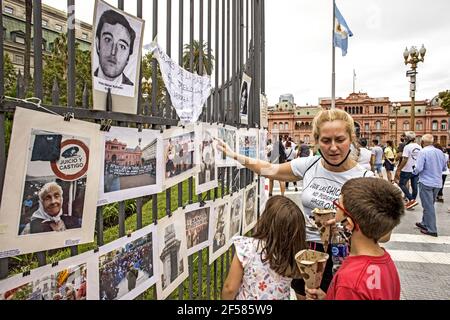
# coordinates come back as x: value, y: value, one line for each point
x: 236, y: 28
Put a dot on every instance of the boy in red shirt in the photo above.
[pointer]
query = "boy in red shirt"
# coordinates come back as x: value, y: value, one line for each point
x: 370, y: 208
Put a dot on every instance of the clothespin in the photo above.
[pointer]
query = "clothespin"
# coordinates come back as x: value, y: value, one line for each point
x: 155, y: 221
x: 161, y: 130
x: 96, y: 249
x: 68, y: 116
x: 105, y: 125
x: 26, y: 273
x: 129, y: 232
x: 54, y: 264
x: 169, y: 213
x: 140, y: 127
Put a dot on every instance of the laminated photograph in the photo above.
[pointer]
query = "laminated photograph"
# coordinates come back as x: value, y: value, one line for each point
x: 248, y: 143
x: 51, y: 183
x: 179, y: 155
x: 126, y: 266
x: 132, y: 164
x: 197, y: 219
x: 219, y: 228
x: 172, y: 254
x: 244, y: 98
x: 69, y: 279
x: 228, y: 135
x: 262, y: 145
x: 206, y: 178
x: 250, y: 208
x: 116, y: 57
x: 263, y: 193
x: 236, y: 208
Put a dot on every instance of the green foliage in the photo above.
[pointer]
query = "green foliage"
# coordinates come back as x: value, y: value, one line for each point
x: 197, y: 48
x: 9, y: 76
x: 56, y: 67
x: 147, y: 74
x: 444, y: 98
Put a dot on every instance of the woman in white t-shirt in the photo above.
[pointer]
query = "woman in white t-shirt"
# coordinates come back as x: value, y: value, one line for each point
x: 364, y: 154
x: 323, y: 176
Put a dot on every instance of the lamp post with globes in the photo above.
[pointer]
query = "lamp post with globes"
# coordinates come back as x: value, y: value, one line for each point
x: 395, y: 108
x: 413, y: 57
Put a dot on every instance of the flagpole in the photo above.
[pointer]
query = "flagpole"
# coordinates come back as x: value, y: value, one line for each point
x: 333, y: 75
x: 354, y: 77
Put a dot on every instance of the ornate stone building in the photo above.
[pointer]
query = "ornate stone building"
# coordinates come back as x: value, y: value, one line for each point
x: 375, y: 118
x: 54, y: 22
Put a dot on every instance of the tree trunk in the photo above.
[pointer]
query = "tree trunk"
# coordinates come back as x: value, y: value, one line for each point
x: 27, y: 60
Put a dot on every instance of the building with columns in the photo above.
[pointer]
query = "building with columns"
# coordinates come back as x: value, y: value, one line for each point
x: 375, y: 118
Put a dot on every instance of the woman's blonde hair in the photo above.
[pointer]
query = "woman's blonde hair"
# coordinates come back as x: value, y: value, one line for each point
x: 332, y: 115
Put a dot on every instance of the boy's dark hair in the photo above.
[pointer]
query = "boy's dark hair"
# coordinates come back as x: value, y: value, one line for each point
x: 375, y: 141
x: 281, y: 227
x: 375, y: 204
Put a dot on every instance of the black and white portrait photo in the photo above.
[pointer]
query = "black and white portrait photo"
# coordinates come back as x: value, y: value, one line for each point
x: 116, y: 50
x: 244, y: 98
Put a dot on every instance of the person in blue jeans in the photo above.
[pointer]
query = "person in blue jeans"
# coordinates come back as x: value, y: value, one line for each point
x: 429, y: 166
x: 405, y: 169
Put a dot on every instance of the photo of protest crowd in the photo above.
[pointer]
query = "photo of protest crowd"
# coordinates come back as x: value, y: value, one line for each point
x: 68, y: 284
x: 122, y: 269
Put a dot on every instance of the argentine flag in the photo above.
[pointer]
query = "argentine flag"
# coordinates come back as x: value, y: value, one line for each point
x: 341, y: 31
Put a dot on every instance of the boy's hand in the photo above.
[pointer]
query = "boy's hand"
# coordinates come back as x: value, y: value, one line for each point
x: 315, y: 294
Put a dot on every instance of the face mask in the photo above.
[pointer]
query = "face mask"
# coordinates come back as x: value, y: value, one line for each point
x: 335, y: 165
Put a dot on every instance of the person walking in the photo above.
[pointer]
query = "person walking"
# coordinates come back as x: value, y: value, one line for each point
x: 440, y: 196
x: 405, y: 168
x: 429, y: 166
x: 364, y: 154
x: 389, y: 160
x: 376, y: 160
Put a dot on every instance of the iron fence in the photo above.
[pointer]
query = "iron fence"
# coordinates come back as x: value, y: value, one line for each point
x: 237, y: 33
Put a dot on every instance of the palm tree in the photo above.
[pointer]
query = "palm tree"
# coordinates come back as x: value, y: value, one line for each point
x: 197, y: 48
x: 26, y: 71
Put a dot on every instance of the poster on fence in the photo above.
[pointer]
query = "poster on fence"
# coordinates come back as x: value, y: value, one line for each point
x: 244, y: 98
x: 132, y: 164
x: 263, y: 193
x: 180, y: 158
x: 262, y: 145
x: 237, y: 205
x: 126, y: 267
x: 116, y: 57
x: 248, y: 143
x: 228, y: 135
x: 206, y: 179
x: 70, y: 279
x: 219, y: 228
x: 197, y: 220
x: 188, y: 91
x: 250, y: 208
x: 51, y: 183
x: 172, y: 254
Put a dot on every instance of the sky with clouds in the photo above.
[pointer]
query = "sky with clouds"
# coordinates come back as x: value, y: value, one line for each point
x: 298, y: 46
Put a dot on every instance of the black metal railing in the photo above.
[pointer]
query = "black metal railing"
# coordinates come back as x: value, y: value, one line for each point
x: 238, y: 47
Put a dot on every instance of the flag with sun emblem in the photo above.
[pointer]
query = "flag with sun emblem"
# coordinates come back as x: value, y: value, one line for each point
x: 341, y: 31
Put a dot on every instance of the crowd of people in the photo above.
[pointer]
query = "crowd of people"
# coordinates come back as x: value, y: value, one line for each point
x: 125, y: 265
x: 341, y: 174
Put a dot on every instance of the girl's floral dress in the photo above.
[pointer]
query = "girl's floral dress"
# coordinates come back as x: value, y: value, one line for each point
x: 259, y: 281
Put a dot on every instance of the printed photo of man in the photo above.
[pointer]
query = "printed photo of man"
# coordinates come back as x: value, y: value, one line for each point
x: 114, y: 40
